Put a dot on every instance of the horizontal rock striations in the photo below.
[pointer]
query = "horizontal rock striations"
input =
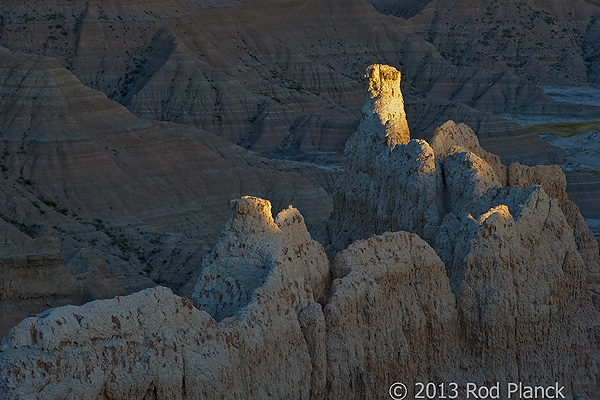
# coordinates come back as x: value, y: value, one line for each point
x: 489, y: 275
x: 226, y: 67
x: 132, y: 202
x: 554, y: 43
x: 33, y: 277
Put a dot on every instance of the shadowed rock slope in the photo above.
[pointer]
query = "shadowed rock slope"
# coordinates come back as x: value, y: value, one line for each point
x: 502, y: 289
x: 270, y: 75
x: 138, y: 200
x: 551, y: 43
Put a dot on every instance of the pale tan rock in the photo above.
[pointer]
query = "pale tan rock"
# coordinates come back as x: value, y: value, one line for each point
x: 385, y: 105
x: 553, y: 181
x: 154, y: 344
x: 509, y: 294
x: 524, y: 276
x: 450, y: 134
x: 380, y: 155
x: 391, y: 317
x: 466, y: 178
x: 253, y: 248
x: 550, y: 177
x: 521, y: 291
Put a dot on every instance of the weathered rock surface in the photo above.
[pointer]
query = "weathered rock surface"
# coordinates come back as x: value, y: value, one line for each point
x: 226, y: 67
x: 380, y: 157
x: 156, y: 345
x: 133, y: 202
x: 33, y: 277
x: 391, y: 318
x: 518, y: 257
x: 252, y: 249
x: 502, y: 286
x: 554, y: 43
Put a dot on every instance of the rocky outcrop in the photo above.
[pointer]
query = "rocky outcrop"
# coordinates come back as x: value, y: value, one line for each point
x: 33, y: 277
x: 391, y: 318
x: 449, y: 137
x: 500, y: 287
x: 156, y: 345
x: 253, y: 248
x: 395, y: 313
x: 518, y: 257
x: 132, y: 202
x: 381, y: 157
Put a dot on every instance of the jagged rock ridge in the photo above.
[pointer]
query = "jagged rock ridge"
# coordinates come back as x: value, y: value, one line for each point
x: 509, y: 238
x: 500, y: 285
x: 161, y: 347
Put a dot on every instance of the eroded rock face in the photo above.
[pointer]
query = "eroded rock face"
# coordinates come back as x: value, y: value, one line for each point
x: 519, y: 258
x: 154, y: 344
x: 252, y: 249
x: 513, y: 36
x: 451, y: 135
x: 381, y: 155
x: 391, y: 317
x: 502, y: 286
x: 183, y: 64
x: 133, y: 202
x: 33, y: 277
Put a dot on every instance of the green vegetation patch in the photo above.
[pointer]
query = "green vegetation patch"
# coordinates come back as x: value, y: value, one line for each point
x: 589, y: 171
x: 565, y: 129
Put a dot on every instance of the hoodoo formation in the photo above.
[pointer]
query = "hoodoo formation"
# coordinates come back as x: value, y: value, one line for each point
x: 445, y: 266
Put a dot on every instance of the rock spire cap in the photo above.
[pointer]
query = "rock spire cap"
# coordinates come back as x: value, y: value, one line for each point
x: 383, y: 80
x: 383, y: 112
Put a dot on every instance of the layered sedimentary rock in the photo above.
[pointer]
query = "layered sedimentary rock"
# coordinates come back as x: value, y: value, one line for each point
x: 495, y: 283
x: 33, y: 277
x: 518, y: 257
x: 133, y: 201
x: 391, y: 318
x: 226, y: 67
x: 554, y: 43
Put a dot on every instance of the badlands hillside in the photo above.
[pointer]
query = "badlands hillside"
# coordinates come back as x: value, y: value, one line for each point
x: 126, y: 127
x: 550, y: 42
x: 447, y: 266
x: 96, y: 202
x: 271, y: 75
